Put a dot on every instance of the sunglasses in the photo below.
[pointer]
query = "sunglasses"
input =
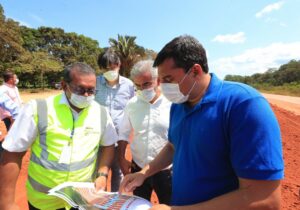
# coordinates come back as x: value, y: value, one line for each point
x: 81, y: 90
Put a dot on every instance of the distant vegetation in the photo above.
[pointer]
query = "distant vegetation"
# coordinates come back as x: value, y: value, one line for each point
x: 285, y: 80
x: 38, y: 55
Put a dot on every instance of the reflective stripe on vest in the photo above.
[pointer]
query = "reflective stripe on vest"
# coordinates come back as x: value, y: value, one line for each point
x: 54, y: 165
x: 42, y: 124
x: 42, y: 112
x: 37, y: 186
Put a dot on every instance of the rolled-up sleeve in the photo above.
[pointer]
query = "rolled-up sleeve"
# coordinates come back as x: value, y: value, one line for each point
x: 125, y: 127
x: 110, y: 135
x: 23, y: 131
x: 9, y: 105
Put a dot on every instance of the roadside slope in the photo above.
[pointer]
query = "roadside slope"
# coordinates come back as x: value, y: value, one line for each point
x: 289, y: 103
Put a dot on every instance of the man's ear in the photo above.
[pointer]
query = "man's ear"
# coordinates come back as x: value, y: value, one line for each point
x: 197, y: 70
x: 63, y: 85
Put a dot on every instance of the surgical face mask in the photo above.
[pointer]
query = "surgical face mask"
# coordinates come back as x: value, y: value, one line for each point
x: 172, y: 91
x: 16, y: 81
x: 147, y: 94
x: 111, y: 75
x: 81, y: 102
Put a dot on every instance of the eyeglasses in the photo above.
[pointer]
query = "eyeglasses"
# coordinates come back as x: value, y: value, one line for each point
x: 81, y: 90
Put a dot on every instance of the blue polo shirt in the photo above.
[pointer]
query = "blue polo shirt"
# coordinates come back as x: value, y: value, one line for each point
x: 232, y: 132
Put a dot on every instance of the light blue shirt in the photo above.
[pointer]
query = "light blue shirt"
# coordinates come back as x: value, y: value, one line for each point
x: 114, y: 98
x: 7, y: 104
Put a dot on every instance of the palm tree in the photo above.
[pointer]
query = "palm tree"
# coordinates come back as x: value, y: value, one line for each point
x: 128, y: 51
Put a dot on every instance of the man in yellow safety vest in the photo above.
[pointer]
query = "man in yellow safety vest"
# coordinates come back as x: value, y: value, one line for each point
x: 64, y: 133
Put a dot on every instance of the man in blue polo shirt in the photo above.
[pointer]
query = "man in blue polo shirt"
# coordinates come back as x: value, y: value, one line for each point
x: 224, y: 139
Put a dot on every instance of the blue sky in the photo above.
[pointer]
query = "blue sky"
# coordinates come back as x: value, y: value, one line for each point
x: 240, y: 37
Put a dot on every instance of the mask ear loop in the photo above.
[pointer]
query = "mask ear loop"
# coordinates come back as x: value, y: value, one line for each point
x: 187, y: 73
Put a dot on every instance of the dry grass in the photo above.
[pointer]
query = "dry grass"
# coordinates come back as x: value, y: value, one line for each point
x: 28, y: 95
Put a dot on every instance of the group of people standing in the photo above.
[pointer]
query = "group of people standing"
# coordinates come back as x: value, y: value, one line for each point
x: 197, y: 141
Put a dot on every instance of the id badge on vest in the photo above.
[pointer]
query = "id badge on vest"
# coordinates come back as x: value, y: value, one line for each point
x: 65, y: 156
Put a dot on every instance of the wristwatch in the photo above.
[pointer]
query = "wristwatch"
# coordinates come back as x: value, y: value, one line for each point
x: 102, y: 174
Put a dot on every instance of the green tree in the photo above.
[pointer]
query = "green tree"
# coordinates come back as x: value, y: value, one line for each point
x: 10, y: 42
x: 128, y: 51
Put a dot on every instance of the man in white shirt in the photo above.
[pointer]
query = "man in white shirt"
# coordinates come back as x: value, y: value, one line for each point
x: 147, y: 115
x: 64, y: 133
x: 7, y: 104
x: 11, y: 90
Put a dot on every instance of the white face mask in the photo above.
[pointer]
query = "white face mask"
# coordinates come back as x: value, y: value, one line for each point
x: 16, y: 81
x: 111, y: 75
x: 81, y: 101
x: 147, y: 94
x: 172, y: 91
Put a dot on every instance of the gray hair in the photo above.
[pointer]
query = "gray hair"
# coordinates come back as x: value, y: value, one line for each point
x: 81, y: 68
x: 143, y: 66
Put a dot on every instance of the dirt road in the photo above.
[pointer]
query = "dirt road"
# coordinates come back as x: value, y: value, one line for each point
x: 286, y: 102
x: 287, y: 111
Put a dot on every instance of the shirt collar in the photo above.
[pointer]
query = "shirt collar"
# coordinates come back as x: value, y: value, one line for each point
x: 64, y: 100
x: 9, y: 85
x: 213, y: 89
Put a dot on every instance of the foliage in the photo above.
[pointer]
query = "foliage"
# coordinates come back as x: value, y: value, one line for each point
x: 10, y: 42
x: 38, y: 55
x: 284, y: 80
x: 128, y: 51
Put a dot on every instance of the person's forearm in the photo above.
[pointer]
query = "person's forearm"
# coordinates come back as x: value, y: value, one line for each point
x: 122, y: 144
x: 10, y: 165
x: 260, y: 196
x: 161, y: 161
x: 106, y: 158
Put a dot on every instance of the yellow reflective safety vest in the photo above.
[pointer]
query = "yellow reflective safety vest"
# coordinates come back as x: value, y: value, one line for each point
x: 58, y: 132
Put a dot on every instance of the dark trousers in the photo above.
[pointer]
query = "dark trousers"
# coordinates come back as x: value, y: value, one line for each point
x: 160, y: 182
x: 7, y: 122
x: 31, y: 207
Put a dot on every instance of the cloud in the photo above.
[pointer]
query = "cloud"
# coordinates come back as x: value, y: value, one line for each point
x: 269, y: 8
x: 257, y: 60
x: 230, y: 38
x: 36, y: 18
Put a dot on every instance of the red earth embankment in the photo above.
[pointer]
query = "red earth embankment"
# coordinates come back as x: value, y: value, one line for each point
x: 290, y: 130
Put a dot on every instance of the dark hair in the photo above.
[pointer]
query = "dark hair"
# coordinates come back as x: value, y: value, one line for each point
x: 185, y: 51
x: 8, y: 75
x: 108, y: 58
x: 81, y: 68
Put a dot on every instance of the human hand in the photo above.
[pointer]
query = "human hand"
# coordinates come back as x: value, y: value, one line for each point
x: 131, y: 181
x: 100, y: 183
x: 125, y: 166
x: 160, y: 207
x: 11, y: 206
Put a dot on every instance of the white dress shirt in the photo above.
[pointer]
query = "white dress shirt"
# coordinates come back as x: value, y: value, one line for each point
x: 150, y: 124
x: 24, y: 130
